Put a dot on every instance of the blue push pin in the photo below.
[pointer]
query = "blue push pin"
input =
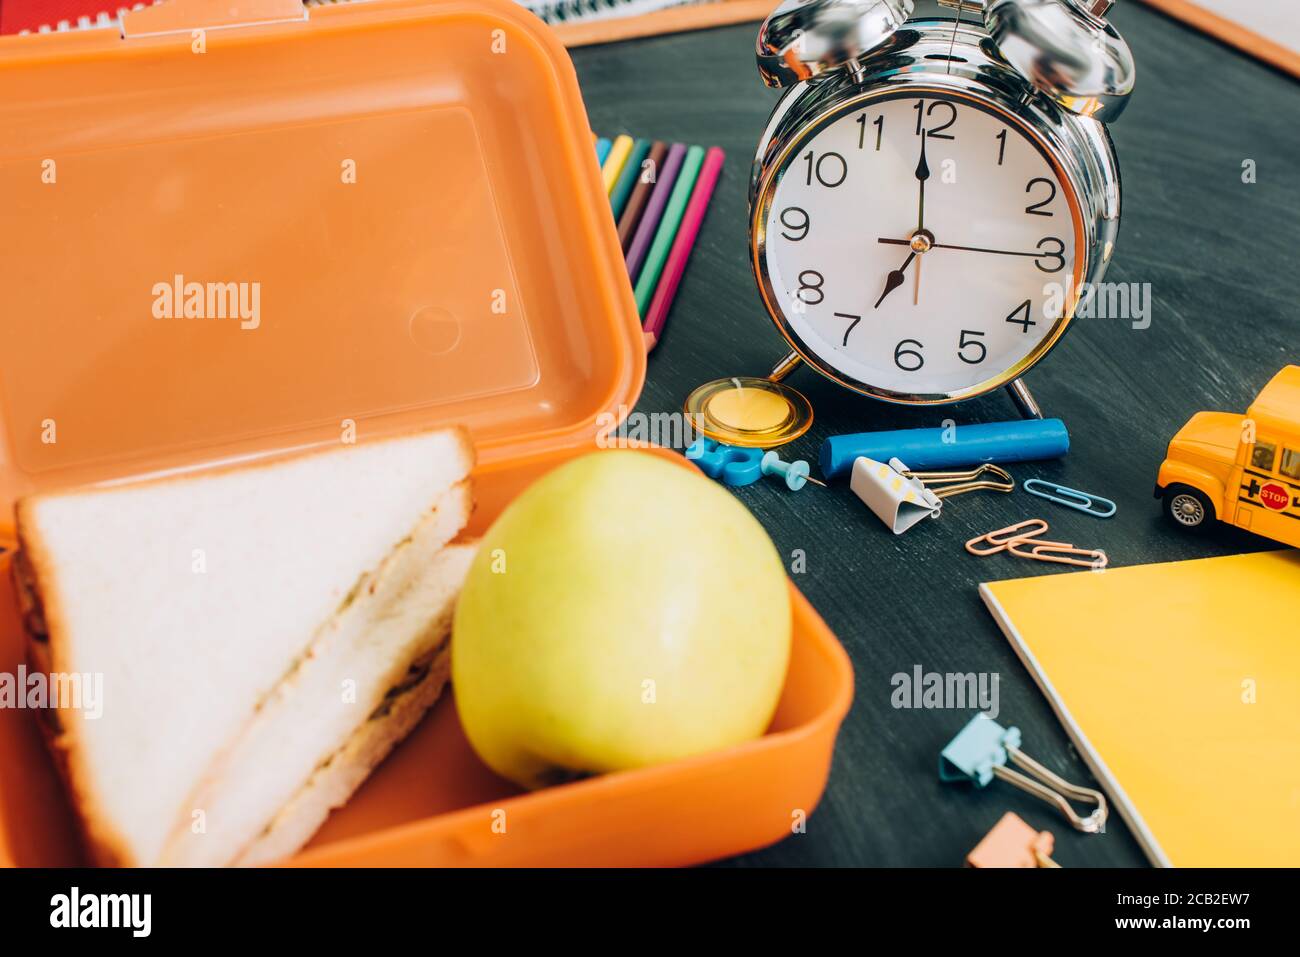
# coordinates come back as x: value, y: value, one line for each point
x: 795, y: 473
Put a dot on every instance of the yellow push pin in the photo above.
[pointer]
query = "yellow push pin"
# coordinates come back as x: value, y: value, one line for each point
x: 749, y: 411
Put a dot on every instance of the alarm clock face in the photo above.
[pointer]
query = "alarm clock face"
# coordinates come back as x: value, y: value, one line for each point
x: 919, y: 246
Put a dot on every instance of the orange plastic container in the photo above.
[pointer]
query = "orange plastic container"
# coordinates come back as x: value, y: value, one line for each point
x: 399, y: 205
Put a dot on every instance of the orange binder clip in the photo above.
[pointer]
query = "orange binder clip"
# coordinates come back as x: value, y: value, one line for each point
x: 1013, y: 843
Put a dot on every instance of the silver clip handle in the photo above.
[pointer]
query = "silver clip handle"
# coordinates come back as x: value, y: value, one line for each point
x: 1094, y: 823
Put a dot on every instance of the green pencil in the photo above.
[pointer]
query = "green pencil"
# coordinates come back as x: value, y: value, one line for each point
x: 663, y: 241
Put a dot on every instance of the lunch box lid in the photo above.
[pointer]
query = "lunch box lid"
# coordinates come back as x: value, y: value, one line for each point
x: 235, y: 228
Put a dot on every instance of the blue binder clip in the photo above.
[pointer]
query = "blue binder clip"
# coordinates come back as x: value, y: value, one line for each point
x: 980, y: 752
x: 729, y: 464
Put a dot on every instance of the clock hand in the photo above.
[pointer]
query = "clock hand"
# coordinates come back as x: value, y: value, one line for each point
x: 969, y: 249
x: 895, y: 278
x: 922, y: 174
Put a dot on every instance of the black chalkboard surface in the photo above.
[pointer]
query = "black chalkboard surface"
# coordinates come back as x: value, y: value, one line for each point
x: 1223, y: 260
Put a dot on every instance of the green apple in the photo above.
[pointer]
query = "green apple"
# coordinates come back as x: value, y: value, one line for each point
x: 622, y: 612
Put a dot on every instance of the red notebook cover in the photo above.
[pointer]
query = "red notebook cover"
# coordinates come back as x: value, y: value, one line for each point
x: 19, y: 15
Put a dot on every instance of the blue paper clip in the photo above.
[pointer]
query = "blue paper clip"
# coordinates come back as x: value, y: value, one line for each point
x: 729, y: 464
x: 980, y: 752
x: 1071, y: 498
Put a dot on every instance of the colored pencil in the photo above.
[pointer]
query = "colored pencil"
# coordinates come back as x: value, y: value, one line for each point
x: 602, y: 150
x: 636, y: 203
x: 613, y: 164
x: 654, y: 261
x: 657, y: 314
x: 645, y: 230
x: 628, y: 179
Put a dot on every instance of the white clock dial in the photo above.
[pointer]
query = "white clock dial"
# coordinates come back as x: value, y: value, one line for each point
x: 920, y: 244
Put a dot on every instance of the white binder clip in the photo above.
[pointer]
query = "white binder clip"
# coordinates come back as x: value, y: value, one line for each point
x: 901, y: 498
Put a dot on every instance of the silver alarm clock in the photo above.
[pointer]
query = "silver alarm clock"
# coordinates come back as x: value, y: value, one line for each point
x: 932, y: 191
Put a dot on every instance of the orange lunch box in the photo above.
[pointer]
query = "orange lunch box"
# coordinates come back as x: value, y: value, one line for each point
x: 398, y: 206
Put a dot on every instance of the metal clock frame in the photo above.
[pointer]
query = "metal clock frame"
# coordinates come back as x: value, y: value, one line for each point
x: 954, y: 60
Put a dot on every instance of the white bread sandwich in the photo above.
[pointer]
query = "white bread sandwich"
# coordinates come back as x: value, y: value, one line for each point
x: 266, y: 634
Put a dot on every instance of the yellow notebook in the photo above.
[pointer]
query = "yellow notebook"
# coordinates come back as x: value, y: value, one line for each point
x: 1180, y: 685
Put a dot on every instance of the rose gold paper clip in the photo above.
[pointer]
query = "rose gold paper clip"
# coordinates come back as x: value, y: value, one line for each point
x: 1058, y: 552
x: 1003, y: 538
x: 1023, y: 540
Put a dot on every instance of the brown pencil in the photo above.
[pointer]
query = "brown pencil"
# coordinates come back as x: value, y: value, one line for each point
x: 641, y: 194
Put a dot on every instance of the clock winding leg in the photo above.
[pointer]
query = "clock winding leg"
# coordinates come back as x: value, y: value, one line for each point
x: 783, y: 368
x: 1024, y: 400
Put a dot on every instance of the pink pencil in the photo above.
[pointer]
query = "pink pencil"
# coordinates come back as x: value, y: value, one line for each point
x: 657, y: 314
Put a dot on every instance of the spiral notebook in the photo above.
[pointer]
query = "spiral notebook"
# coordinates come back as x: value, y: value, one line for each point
x: 574, y: 11
x: 46, y: 16
x: 1266, y: 29
x: 1180, y: 686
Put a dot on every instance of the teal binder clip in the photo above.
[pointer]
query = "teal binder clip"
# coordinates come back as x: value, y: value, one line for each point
x: 1094, y: 505
x: 980, y: 752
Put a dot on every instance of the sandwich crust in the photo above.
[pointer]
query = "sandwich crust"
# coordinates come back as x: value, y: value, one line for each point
x: 43, y: 623
x: 45, y: 620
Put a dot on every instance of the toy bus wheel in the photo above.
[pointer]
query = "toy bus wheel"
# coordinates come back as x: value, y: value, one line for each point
x: 1187, y: 507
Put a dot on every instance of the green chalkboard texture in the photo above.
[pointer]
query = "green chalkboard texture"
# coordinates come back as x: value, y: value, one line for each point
x: 1223, y: 261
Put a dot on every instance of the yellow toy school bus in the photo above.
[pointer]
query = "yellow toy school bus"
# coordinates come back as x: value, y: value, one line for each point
x: 1244, y: 470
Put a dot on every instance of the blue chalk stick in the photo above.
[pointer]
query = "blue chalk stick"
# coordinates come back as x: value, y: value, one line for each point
x: 1023, y: 440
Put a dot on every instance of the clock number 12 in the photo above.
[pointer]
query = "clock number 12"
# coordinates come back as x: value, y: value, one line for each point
x: 935, y: 133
